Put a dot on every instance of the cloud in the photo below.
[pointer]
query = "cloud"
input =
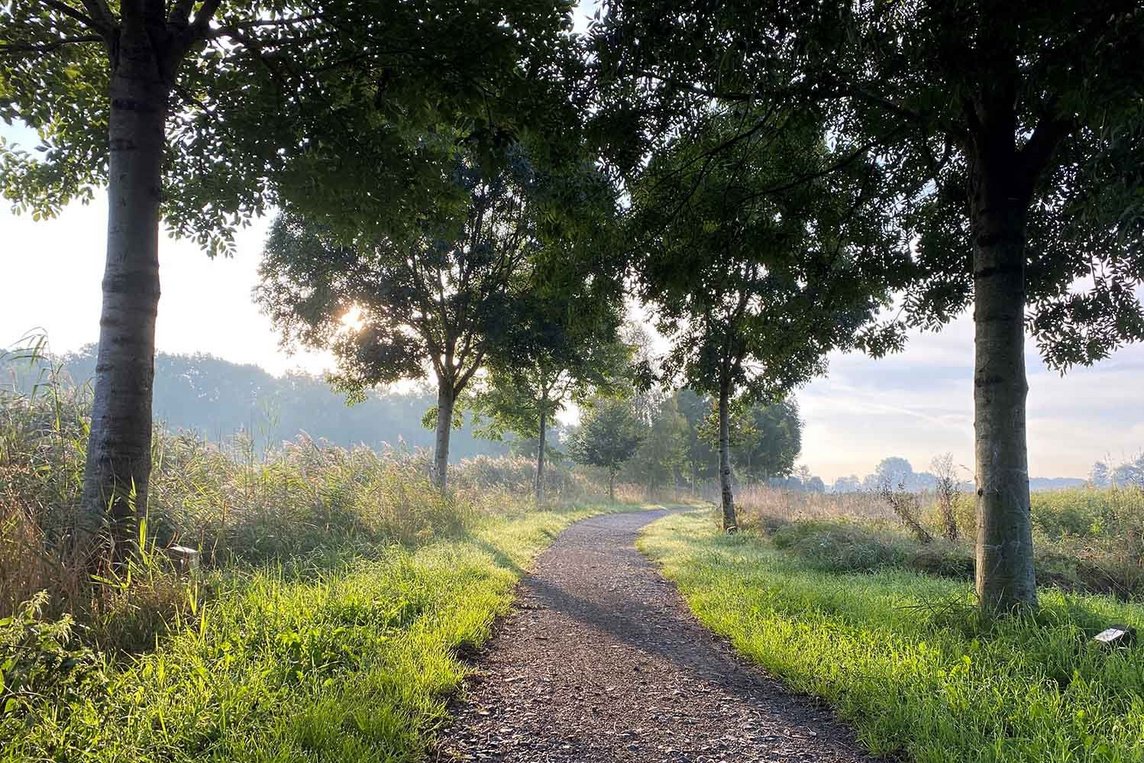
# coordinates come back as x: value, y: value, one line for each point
x: 919, y: 403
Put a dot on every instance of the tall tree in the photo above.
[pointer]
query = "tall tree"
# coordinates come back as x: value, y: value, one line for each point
x: 776, y: 440
x: 435, y: 298
x: 561, y: 346
x: 753, y: 282
x: 1013, y: 134
x: 188, y: 111
x: 765, y: 438
x: 662, y: 455
x: 608, y: 437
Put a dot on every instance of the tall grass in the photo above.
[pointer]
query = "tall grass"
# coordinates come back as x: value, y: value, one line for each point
x: 1085, y: 539
x: 292, y: 503
x: 353, y: 661
x: 336, y: 590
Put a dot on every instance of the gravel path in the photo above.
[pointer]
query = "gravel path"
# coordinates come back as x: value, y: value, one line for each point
x: 601, y: 661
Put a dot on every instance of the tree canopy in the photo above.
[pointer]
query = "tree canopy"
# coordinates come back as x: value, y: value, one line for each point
x: 433, y: 299
x: 1011, y: 138
x: 755, y: 278
x: 608, y: 437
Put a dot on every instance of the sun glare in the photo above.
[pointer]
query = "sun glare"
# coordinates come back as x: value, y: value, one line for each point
x: 352, y: 319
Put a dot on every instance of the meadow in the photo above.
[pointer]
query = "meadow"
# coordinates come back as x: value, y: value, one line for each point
x: 1085, y: 539
x: 337, y: 596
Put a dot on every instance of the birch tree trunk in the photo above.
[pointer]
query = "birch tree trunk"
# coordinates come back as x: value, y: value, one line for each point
x: 1004, y: 564
x: 118, y: 467
x: 730, y: 521
x: 446, y: 398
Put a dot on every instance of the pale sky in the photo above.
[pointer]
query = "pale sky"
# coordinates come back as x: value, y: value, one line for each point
x: 915, y: 404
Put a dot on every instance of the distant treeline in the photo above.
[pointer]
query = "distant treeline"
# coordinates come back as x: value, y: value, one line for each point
x: 897, y: 472
x: 217, y: 398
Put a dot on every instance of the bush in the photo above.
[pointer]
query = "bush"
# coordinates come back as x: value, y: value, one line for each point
x: 842, y: 546
x: 41, y: 666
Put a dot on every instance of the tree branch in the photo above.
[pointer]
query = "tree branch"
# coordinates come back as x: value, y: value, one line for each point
x: 73, y: 13
x: 180, y: 13
x: 101, y: 17
x: 844, y: 161
x: 277, y: 22
x: 47, y: 47
x: 694, y: 89
x: 885, y: 104
x: 1037, y: 151
x: 201, y: 25
x: 253, y: 46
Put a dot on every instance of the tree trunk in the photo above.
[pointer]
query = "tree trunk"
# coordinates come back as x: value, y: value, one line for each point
x: 612, y: 485
x: 1005, y: 577
x: 730, y: 522
x: 118, y: 466
x: 540, y: 446
x: 446, y: 397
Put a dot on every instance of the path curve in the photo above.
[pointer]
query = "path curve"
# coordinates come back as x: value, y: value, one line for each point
x: 600, y: 661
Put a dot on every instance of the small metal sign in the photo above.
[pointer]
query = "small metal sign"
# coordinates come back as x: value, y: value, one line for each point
x: 1116, y: 636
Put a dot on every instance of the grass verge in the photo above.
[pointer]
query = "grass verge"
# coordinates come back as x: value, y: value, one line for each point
x: 902, y: 656
x: 351, y: 663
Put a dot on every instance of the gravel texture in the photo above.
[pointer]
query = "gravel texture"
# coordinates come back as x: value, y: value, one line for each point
x: 601, y: 661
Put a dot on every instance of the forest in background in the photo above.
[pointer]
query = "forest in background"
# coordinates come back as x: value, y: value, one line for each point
x: 216, y: 399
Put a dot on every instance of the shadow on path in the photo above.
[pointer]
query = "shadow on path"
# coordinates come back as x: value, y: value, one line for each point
x: 600, y: 661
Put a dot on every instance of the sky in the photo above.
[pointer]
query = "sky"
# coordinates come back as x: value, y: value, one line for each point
x: 916, y: 404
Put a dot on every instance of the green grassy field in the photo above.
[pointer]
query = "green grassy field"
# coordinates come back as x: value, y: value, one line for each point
x: 353, y: 662
x: 902, y: 656
x: 1086, y: 539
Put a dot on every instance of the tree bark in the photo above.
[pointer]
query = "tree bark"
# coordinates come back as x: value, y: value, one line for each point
x: 540, y: 448
x: 998, y: 203
x: 611, y: 484
x: 730, y: 521
x: 446, y: 398
x: 118, y: 467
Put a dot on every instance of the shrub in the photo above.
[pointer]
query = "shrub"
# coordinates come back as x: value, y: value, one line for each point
x: 947, y: 491
x: 906, y: 506
x: 844, y: 546
x: 40, y: 664
x: 839, y: 547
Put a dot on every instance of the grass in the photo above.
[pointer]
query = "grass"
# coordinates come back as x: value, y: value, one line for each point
x: 902, y: 656
x: 298, y: 503
x: 337, y: 593
x: 350, y: 663
x: 1086, y: 539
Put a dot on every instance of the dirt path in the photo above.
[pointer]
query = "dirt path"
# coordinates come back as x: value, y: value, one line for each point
x: 601, y: 661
